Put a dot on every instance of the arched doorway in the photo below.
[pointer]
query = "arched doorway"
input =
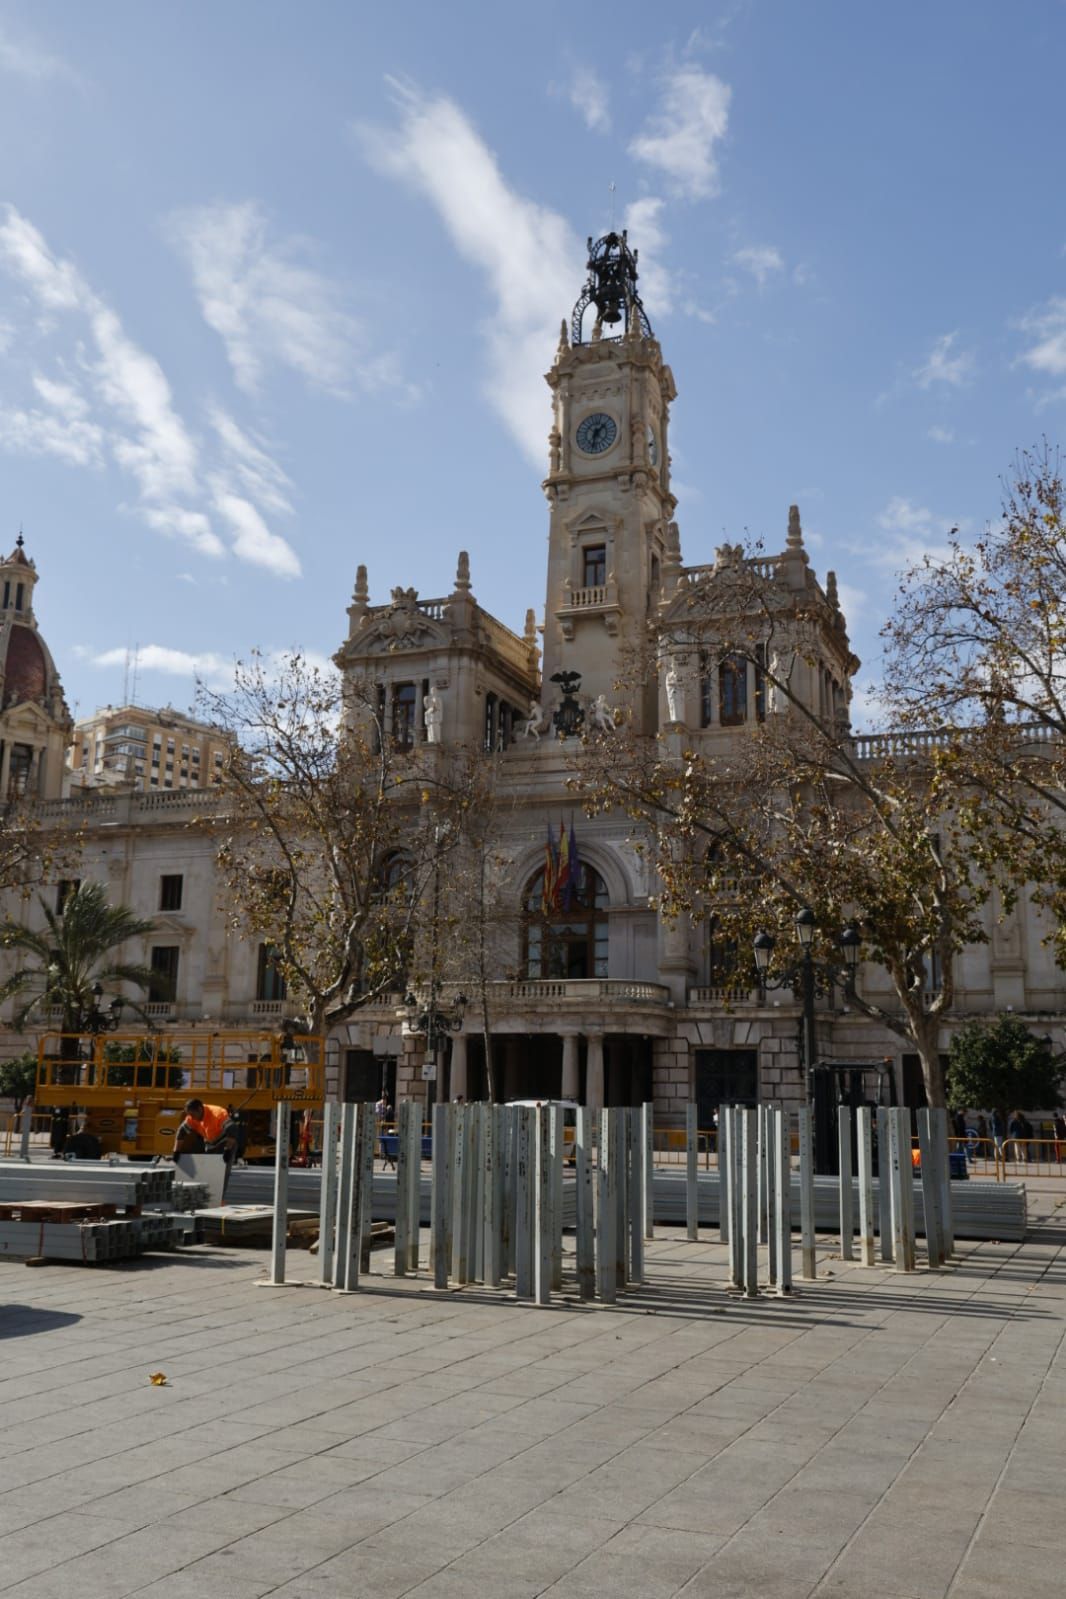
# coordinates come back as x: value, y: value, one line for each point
x: 565, y: 931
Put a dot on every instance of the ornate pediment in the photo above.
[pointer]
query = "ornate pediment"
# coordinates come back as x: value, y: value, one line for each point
x: 402, y: 625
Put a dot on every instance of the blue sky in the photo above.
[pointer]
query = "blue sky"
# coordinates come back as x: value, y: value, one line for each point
x: 278, y: 283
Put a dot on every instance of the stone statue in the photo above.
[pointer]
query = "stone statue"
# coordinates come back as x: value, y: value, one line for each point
x: 433, y: 711
x: 601, y: 716
x: 675, y: 709
x: 534, y: 721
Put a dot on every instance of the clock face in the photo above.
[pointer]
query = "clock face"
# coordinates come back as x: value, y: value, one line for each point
x: 596, y: 433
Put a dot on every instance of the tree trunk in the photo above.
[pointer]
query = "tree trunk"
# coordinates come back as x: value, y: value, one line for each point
x: 490, y: 1063
x: 925, y: 1031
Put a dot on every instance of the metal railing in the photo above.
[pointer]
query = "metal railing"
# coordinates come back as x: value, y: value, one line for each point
x: 1013, y: 1158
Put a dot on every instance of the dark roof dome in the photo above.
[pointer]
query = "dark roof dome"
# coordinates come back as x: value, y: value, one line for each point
x: 18, y: 554
x: 25, y: 670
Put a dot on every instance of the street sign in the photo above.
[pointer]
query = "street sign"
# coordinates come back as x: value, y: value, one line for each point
x: 429, y: 1071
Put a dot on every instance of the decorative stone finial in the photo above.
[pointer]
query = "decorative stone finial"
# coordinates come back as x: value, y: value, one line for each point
x: 462, y: 573
x: 530, y: 634
x: 831, y: 590
x: 795, y: 531
x: 635, y: 330
x: 361, y: 593
x: 564, y: 338
x: 597, y: 330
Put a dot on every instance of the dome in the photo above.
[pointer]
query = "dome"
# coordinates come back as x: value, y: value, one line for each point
x: 25, y: 669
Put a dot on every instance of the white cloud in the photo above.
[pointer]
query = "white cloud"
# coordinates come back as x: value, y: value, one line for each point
x: 867, y: 711
x: 945, y: 364
x: 680, y: 138
x: 853, y: 600
x: 532, y: 261
x: 253, y: 540
x: 269, y: 307
x: 260, y: 476
x: 649, y: 239
x: 24, y: 59
x: 1048, y: 327
x: 205, y: 666
x: 588, y: 95
x: 122, y: 406
x: 760, y: 260
x: 914, y: 532
x: 941, y: 435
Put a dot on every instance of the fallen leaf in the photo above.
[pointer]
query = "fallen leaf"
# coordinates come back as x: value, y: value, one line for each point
x: 158, y: 1379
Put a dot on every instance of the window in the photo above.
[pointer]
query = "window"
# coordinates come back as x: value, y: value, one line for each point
x: 733, y: 691
x: 67, y: 887
x: 760, y: 682
x: 7, y: 595
x: 403, y: 715
x: 269, y: 982
x: 164, y: 982
x: 595, y: 566
x: 19, y: 591
x: 170, y: 887
x: 567, y: 940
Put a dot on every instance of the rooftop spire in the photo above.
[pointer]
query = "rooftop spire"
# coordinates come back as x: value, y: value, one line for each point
x: 611, y: 287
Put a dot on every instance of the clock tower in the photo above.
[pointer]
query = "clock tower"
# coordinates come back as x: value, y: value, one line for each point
x: 609, y: 483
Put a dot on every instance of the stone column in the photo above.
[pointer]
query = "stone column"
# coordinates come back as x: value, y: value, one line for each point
x: 458, y: 1073
x: 5, y: 771
x: 594, y: 1072
x: 570, y: 1072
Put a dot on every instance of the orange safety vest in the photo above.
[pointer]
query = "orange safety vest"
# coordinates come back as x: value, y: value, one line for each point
x: 211, y: 1123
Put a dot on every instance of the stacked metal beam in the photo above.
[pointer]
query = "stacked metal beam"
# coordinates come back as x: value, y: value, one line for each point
x: 87, y: 1181
x: 91, y: 1242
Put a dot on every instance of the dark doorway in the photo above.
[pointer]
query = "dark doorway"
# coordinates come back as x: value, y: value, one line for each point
x: 628, y: 1074
x: 362, y: 1077
x: 724, y: 1077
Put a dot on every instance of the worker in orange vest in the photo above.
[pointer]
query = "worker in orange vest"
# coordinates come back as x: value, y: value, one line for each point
x: 208, y: 1129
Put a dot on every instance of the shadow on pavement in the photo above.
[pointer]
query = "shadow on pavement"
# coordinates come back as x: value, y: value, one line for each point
x: 22, y: 1321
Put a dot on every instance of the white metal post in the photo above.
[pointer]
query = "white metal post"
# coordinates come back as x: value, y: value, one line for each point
x: 281, y: 1193
x: 344, y: 1196
x: 847, y: 1191
x: 638, y: 1193
x: 25, y: 1126
x: 864, y: 1154
x: 947, y: 1209
x: 885, y: 1186
x: 490, y: 1162
x: 931, y: 1185
x: 647, y: 1115
x: 442, y: 1196
x: 402, y: 1224
x: 729, y: 1134
x: 524, y: 1176
x: 459, y: 1160
x: 725, y: 1169
x: 783, y: 1198
x: 692, y: 1181
x: 768, y: 1167
x: 899, y: 1152
x: 585, y: 1218
x: 906, y: 1169
x: 366, y: 1185
x: 558, y: 1151
x: 327, y: 1197
x: 749, y: 1164
x: 606, y: 1210
x: 808, y: 1244
x: 414, y: 1182
x: 762, y: 1173
x: 623, y: 1194
x: 542, y: 1258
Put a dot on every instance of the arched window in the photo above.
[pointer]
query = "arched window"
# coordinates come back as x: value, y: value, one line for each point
x: 566, y: 935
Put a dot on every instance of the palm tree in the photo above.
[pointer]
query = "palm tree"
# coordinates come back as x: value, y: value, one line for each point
x: 67, y: 961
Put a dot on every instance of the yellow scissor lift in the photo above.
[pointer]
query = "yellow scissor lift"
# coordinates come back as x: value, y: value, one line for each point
x: 128, y: 1089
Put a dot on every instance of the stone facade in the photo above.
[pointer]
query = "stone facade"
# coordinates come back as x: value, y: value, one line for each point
x: 608, y: 1003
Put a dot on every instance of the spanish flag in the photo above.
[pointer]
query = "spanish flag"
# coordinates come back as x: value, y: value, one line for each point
x: 563, y: 885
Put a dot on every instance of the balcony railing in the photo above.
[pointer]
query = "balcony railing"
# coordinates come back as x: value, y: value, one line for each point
x: 579, y: 991
x: 723, y: 994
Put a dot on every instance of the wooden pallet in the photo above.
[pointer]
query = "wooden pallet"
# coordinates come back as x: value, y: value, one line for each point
x: 45, y: 1210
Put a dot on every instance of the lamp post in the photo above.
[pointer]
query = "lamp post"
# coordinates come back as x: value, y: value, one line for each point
x: 94, y: 1020
x: 429, y: 1017
x: 806, y: 972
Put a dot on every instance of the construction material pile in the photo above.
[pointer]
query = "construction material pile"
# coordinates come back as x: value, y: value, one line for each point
x: 92, y: 1211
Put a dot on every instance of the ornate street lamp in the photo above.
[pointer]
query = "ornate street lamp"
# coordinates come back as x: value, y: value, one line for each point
x: 808, y: 973
x: 429, y: 1018
x: 94, y: 1020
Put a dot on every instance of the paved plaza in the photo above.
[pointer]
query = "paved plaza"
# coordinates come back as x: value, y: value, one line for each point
x: 875, y: 1437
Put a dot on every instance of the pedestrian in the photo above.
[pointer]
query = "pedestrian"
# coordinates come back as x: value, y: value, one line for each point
x: 1016, y: 1133
x: 982, y: 1136
x: 958, y: 1122
x: 208, y: 1130
x: 385, y: 1115
x: 997, y: 1130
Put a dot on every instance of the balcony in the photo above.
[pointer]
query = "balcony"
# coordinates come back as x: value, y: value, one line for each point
x: 599, y: 599
x: 724, y: 996
x: 578, y: 991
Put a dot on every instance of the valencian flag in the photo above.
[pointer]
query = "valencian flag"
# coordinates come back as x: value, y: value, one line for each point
x: 547, y: 894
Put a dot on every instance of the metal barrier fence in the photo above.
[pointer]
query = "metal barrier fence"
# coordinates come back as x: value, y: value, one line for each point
x: 1013, y: 1158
